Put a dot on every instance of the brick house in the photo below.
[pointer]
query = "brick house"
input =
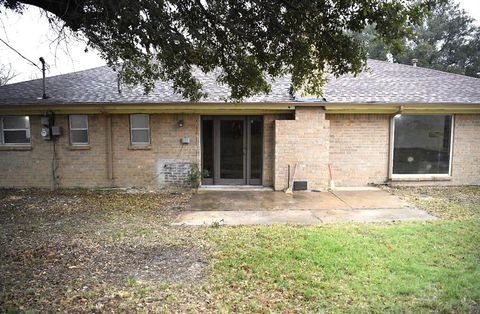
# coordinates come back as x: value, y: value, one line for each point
x: 394, y: 124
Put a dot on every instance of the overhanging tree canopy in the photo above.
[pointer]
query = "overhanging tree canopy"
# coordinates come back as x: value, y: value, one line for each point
x: 246, y: 41
x: 448, y: 40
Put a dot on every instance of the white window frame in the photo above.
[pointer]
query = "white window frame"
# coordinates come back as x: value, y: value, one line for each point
x: 426, y: 176
x: 27, y: 130
x: 140, y: 129
x: 78, y: 129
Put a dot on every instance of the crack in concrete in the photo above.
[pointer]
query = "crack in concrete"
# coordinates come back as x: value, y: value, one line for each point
x: 340, y: 199
x: 313, y: 214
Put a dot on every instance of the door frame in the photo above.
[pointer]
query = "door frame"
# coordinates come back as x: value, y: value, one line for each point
x: 217, y: 151
x: 247, y: 151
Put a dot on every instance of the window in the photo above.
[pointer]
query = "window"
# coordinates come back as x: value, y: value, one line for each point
x: 140, y: 128
x: 15, y: 130
x: 79, y: 129
x: 422, y: 144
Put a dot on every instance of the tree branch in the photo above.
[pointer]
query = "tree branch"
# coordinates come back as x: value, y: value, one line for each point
x: 17, y: 52
x: 70, y: 11
x: 6, y: 74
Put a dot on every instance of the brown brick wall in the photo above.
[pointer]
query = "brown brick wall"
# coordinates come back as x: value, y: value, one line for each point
x: 152, y: 168
x: 28, y: 168
x: 81, y: 168
x: 359, y: 148
x: 303, y: 141
x: 466, y: 150
x: 269, y: 145
x: 166, y: 162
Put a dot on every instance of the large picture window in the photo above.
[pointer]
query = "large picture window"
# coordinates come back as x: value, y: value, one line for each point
x: 15, y: 130
x: 422, y: 144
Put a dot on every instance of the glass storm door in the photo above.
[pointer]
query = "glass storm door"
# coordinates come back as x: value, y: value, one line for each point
x: 231, y: 165
x: 232, y: 150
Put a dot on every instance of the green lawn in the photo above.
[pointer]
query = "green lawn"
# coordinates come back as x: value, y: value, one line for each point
x: 408, y: 267
x: 118, y: 257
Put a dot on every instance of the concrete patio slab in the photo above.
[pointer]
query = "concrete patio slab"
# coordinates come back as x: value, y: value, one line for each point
x: 251, y: 217
x: 260, y: 207
x: 372, y: 215
x: 260, y: 200
x: 370, y: 199
x: 299, y: 217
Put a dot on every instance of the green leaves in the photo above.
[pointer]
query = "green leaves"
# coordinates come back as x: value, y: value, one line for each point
x: 247, y: 42
x: 446, y: 40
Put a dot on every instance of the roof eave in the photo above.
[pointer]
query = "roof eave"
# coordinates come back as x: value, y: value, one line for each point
x: 400, y: 107
x: 244, y: 108
x: 178, y: 107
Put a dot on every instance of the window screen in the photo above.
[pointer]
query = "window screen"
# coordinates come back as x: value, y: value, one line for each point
x: 79, y: 129
x: 15, y: 129
x: 140, y: 128
x: 422, y: 144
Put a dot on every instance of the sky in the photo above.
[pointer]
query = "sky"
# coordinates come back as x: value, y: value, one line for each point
x: 30, y: 34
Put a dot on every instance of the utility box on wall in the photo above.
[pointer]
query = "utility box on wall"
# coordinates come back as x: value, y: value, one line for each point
x: 45, y: 120
x: 57, y: 131
x: 45, y: 133
x: 48, y: 133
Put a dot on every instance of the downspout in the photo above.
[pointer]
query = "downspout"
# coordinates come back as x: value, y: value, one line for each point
x: 198, y: 131
x: 391, y: 139
x: 399, y: 111
x: 109, y: 150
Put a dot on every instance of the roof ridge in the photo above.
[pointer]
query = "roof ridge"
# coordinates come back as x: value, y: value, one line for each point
x: 368, y: 60
x: 386, y: 82
x: 425, y: 69
x: 57, y: 75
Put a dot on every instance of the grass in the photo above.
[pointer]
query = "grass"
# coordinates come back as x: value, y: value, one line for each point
x: 339, y: 268
x: 389, y: 267
x: 349, y: 268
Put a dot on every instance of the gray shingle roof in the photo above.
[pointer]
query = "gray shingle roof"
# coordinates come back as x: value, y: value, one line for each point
x: 99, y: 85
x: 383, y: 83
x: 387, y: 82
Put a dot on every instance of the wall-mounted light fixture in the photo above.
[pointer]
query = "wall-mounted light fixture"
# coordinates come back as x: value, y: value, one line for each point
x: 180, y: 123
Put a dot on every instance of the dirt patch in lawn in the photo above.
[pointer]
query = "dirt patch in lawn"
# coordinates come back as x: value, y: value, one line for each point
x: 46, y: 205
x: 112, y: 264
x: 62, y: 247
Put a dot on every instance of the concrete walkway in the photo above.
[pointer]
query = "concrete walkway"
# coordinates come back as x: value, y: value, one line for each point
x: 256, y: 207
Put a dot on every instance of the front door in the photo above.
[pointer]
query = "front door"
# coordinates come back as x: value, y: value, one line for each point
x: 232, y: 148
